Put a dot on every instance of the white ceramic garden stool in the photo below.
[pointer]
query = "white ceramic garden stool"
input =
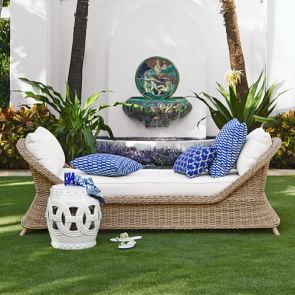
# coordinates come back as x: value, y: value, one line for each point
x: 73, y: 218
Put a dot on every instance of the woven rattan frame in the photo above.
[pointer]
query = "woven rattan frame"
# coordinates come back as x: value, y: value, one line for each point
x: 241, y: 205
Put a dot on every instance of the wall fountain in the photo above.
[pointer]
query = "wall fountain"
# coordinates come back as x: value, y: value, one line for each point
x: 157, y: 79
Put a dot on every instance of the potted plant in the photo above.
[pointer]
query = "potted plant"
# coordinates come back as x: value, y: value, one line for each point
x: 77, y: 125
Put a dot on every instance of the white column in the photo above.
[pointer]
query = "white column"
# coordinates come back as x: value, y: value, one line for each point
x: 29, y: 44
x: 280, y: 50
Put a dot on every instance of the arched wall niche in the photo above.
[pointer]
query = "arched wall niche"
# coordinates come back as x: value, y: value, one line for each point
x: 158, y: 28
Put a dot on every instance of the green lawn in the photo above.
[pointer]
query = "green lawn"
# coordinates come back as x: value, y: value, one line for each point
x: 193, y: 262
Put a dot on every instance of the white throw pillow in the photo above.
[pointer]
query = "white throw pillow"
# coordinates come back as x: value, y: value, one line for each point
x: 45, y: 147
x: 257, y: 143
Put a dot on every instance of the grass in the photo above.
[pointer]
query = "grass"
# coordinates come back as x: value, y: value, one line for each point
x: 193, y: 262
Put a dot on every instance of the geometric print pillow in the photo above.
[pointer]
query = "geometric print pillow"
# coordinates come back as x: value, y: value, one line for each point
x: 194, y: 160
x: 229, y: 143
x: 106, y: 165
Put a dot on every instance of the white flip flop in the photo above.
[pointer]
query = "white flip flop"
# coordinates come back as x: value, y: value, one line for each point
x: 117, y: 239
x: 127, y: 245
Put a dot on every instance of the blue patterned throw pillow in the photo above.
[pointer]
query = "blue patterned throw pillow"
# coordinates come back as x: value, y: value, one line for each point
x: 229, y: 143
x: 194, y: 160
x: 106, y: 165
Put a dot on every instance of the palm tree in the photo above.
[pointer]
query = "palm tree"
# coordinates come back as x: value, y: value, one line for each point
x: 78, y: 48
x: 237, y: 62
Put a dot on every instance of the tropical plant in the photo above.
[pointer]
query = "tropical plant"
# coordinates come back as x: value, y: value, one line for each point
x: 4, y: 62
x: 254, y: 109
x: 78, y: 49
x: 16, y: 124
x: 283, y: 126
x: 237, y: 61
x: 78, y: 125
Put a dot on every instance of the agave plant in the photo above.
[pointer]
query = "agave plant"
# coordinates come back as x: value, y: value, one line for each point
x: 78, y: 125
x: 253, y: 109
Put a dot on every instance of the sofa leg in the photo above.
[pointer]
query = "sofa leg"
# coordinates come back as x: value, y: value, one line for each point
x: 23, y: 231
x: 275, y: 231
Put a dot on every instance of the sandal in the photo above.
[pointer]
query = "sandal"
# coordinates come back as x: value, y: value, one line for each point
x: 124, y: 237
x: 127, y: 245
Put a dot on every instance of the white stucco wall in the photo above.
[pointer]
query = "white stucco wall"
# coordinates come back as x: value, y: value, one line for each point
x: 42, y: 34
x: 281, y: 49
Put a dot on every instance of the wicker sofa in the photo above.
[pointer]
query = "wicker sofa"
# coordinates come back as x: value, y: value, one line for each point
x: 241, y: 205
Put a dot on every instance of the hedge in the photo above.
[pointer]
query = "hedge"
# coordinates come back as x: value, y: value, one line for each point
x: 4, y: 62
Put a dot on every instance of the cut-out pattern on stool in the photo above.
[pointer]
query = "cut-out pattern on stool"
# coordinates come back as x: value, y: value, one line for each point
x: 73, y: 218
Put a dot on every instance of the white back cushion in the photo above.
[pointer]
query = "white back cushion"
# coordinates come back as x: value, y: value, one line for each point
x: 45, y: 147
x: 257, y: 143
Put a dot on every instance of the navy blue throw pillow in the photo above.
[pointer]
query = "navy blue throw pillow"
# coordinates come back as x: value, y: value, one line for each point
x: 229, y: 143
x: 194, y: 160
x: 106, y: 165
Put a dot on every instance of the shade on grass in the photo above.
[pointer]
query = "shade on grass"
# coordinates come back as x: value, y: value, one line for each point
x: 192, y: 262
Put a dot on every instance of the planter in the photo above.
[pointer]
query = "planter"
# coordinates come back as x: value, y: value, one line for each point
x: 153, y: 152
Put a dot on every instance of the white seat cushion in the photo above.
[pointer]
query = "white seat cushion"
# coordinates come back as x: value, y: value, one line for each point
x: 159, y: 182
x: 46, y: 148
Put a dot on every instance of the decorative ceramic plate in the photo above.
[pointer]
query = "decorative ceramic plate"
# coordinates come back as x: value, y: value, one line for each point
x: 156, y: 77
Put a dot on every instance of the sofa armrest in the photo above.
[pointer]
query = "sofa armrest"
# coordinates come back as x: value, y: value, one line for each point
x: 261, y: 162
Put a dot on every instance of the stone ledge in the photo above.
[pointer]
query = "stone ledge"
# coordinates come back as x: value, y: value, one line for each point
x: 15, y: 172
x: 281, y: 172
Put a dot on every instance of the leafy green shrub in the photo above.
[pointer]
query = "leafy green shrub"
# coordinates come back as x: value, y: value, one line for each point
x: 283, y: 127
x: 17, y: 124
x: 4, y: 62
x: 253, y: 109
x: 78, y: 125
